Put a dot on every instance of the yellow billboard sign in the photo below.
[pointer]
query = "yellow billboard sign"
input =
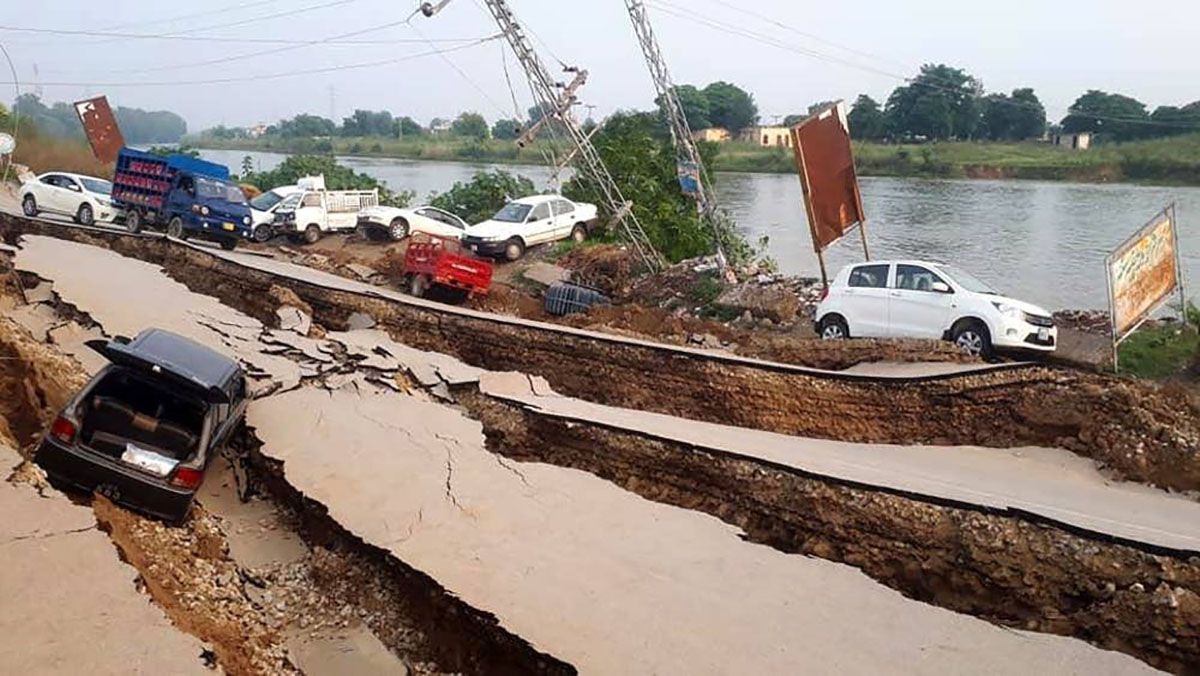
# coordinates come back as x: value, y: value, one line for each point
x: 1143, y: 272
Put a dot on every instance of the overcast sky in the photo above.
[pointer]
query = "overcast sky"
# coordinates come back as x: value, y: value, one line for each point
x: 1145, y: 49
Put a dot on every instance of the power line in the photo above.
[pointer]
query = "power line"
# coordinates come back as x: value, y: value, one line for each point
x: 271, y: 76
x: 668, y: 8
x: 461, y: 73
x: 195, y: 15
x: 213, y: 38
x: 264, y: 52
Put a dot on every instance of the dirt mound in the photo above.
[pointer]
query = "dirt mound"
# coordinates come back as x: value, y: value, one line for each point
x: 607, y: 267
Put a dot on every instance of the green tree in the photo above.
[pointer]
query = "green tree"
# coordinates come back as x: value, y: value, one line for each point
x: 730, y: 107
x: 1017, y: 117
x: 480, y: 198
x: 369, y: 123
x: 1172, y: 120
x: 695, y: 107
x: 866, y: 119
x: 470, y: 125
x: 406, y: 127
x: 506, y: 129
x: 794, y: 119
x: 303, y: 126
x: 1115, y: 116
x: 337, y: 177
x: 642, y: 162
x: 818, y: 107
x: 939, y: 103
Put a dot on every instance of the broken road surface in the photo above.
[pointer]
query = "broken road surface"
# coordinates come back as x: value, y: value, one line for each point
x: 69, y: 604
x: 576, y: 566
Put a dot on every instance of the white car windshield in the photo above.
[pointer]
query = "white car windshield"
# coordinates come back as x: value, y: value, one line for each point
x: 265, y: 201
x: 968, y: 281
x: 97, y: 186
x: 512, y: 213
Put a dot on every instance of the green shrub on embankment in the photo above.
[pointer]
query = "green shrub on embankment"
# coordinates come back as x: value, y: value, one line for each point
x: 1163, y: 350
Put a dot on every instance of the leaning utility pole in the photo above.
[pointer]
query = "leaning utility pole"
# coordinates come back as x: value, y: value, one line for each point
x: 687, y: 155
x: 556, y: 100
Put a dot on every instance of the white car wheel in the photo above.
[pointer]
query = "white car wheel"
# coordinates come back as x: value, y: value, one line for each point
x: 973, y: 338
x: 29, y: 206
x: 398, y: 229
x: 85, y: 215
x: 834, y: 328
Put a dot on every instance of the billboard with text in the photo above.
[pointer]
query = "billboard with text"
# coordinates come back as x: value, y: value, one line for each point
x: 101, y: 128
x: 826, y: 164
x: 1143, y: 272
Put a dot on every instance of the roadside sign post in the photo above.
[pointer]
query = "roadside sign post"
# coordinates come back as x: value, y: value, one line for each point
x: 1142, y: 274
x: 100, y: 127
x: 828, y: 180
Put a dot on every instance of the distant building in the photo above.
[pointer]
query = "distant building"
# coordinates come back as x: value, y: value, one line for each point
x: 440, y: 127
x: 257, y: 131
x: 1080, y: 141
x: 769, y: 137
x: 712, y: 135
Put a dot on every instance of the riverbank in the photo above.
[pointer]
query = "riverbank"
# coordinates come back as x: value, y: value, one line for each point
x: 1168, y: 161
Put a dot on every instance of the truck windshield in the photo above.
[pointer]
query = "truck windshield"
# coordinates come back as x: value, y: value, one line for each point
x: 210, y: 189
x: 95, y: 185
x: 265, y: 201
x: 512, y: 213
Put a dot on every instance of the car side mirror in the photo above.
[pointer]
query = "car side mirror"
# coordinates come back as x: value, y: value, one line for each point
x: 940, y: 287
x: 74, y: 188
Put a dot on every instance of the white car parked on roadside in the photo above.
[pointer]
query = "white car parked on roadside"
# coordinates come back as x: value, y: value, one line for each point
x: 86, y: 199
x: 919, y: 299
x: 396, y: 223
x: 528, y: 221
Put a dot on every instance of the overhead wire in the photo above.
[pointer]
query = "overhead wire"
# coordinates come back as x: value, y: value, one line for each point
x: 214, y: 38
x: 668, y: 8
x: 272, y: 76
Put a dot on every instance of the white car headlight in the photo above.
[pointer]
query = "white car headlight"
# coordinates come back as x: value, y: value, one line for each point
x: 1010, y: 311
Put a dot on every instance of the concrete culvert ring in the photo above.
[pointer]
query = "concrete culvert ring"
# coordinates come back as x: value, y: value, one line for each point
x: 85, y: 215
x: 29, y: 206
x: 398, y: 229
x: 971, y: 336
x: 833, y: 327
x: 175, y: 228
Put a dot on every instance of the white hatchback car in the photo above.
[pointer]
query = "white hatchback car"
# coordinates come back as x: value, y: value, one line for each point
x: 919, y: 299
x: 84, y: 198
x: 528, y: 221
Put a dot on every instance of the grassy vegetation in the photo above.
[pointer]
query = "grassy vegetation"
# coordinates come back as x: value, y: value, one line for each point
x: 1173, y: 160
x: 1163, y: 350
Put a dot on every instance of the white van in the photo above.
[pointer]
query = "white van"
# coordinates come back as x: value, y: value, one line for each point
x: 312, y: 212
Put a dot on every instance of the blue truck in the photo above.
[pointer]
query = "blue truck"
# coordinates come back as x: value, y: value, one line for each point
x: 186, y: 196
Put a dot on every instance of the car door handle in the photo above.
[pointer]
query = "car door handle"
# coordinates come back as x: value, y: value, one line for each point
x: 894, y: 294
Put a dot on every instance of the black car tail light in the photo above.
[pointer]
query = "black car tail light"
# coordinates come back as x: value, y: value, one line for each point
x: 187, y: 477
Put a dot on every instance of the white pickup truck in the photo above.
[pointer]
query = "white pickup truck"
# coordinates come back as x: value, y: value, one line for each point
x: 312, y: 212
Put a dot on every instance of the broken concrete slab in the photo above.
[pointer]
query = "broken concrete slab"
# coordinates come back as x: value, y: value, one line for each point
x: 125, y: 295
x: 353, y: 650
x: 378, y: 348
x: 72, y: 337
x: 42, y: 293
x: 316, y: 350
x: 37, y: 319
x: 254, y: 529
x: 603, y: 579
x: 361, y: 271
x: 70, y: 604
x: 546, y: 274
x: 360, y: 320
x: 774, y: 303
x: 294, y: 319
x: 1053, y: 484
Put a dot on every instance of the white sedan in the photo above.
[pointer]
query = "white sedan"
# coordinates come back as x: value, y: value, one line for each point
x: 396, y: 223
x: 918, y: 299
x: 86, y: 199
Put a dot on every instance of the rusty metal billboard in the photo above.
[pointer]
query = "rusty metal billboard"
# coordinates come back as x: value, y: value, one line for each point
x: 101, y: 128
x: 825, y: 161
x: 1142, y: 273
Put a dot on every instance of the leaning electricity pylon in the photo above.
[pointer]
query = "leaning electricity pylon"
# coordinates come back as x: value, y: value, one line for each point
x: 693, y: 178
x: 556, y: 101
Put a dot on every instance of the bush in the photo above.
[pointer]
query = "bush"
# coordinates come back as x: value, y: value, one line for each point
x: 481, y: 197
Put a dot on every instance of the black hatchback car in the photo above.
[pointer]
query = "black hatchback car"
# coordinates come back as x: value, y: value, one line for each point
x: 144, y: 429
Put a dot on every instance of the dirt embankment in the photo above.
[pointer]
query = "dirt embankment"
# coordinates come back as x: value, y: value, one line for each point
x: 1139, y: 431
x: 1009, y: 571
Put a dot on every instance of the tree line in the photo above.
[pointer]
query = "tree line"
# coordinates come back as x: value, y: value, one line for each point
x: 945, y: 103
x: 139, y: 127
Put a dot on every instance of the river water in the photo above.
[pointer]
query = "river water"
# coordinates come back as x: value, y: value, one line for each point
x: 1042, y: 242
